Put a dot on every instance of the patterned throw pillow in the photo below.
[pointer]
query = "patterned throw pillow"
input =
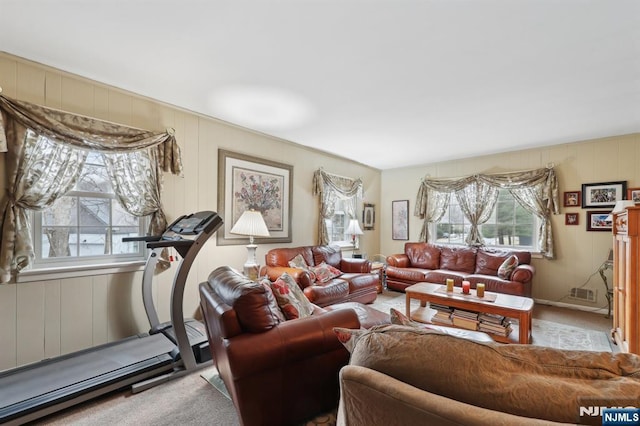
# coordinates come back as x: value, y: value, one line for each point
x: 348, y: 336
x: 325, y: 272
x: 507, y: 267
x: 291, y: 300
x: 298, y: 262
x: 272, y: 303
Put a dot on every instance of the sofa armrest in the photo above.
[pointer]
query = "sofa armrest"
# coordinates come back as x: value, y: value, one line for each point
x: 523, y: 273
x: 351, y: 266
x: 302, y: 277
x: 288, y: 343
x: 399, y: 260
x: 370, y: 397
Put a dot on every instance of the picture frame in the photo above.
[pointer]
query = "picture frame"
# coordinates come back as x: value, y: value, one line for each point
x: 596, y: 221
x: 247, y: 182
x: 634, y: 195
x: 603, y: 194
x: 368, y: 217
x: 571, y: 218
x: 572, y: 199
x: 400, y: 220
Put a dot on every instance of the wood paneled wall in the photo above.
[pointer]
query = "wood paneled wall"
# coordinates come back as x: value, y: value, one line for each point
x: 43, y: 319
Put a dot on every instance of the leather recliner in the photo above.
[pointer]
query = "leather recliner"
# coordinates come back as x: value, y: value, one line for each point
x: 277, y: 373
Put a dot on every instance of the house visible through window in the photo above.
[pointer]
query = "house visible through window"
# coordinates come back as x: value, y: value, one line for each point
x: 87, y: 223
x: 510, y: 225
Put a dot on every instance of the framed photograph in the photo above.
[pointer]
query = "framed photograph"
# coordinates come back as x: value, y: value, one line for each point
x: 368, y: 217
x: 604, y: 194
x: 400, y: 220
x: 572, y: 199
x: 634, y: 195
x: 246, y: 182
x: 571, y: 218
x: 597, y: 221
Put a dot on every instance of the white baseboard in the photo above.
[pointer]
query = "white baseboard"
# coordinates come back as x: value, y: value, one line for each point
x: 602, y: 311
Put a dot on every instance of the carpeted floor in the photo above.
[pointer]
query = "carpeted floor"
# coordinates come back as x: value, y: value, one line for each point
x: 193, y: 400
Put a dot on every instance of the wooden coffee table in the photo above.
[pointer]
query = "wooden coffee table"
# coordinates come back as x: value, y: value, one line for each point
x: 506, y: 305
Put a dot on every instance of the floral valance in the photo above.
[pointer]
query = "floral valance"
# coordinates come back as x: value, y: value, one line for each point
x: 84, y: 132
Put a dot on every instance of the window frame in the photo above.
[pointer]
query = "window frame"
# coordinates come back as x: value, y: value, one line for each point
x: 42, y: 263
x: 534, y: 247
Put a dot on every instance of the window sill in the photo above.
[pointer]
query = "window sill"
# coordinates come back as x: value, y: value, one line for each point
x: 56, y: 273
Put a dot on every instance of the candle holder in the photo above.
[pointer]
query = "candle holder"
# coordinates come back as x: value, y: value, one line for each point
x: 480, y: 289
x: 449, y: 285
x: 466, y: 287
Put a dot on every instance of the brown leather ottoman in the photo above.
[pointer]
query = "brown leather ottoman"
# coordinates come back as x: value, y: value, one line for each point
x: 367, y: 315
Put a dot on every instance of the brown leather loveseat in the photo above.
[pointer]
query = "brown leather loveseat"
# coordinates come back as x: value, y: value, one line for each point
x: 277, y: 372
x: 356, y: 283
x: 426, y: 262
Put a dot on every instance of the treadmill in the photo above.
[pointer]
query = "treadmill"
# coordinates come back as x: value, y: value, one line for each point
x: 169, y: 350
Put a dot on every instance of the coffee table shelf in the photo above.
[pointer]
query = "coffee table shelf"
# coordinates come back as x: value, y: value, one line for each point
x: 506, y: 305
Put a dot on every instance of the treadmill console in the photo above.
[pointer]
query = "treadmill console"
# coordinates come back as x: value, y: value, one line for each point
x: 192, y: 224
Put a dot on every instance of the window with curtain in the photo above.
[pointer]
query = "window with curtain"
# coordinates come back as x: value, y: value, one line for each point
x: 509, y: 226
x: 488, y: 212
x: 58, y: 168
x: 340, y: 197
x: 87, y: 224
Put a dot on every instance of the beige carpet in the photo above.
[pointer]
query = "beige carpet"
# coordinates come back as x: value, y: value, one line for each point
x: 192, y: 400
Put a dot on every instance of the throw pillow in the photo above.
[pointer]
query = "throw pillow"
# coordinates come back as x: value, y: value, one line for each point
x: 325, y: 272
x: 272, y: 303
x: 348, y: 336
x: 507, y: 267
x: 298, y: 262
x: 291, y: 300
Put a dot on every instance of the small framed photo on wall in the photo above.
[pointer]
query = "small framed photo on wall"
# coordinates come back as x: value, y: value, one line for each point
x: 597, y: 221
x: 633, y: 194
x: 572, y: 199
x: 571, y: 218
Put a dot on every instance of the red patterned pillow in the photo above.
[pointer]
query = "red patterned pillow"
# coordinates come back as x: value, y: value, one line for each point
x: 507, y: 267
x: 298, y: 262
x: 291, y: 300
x: 325, y: 272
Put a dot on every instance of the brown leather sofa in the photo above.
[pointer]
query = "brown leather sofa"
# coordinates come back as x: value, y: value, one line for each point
x: 277, y: 372
x: 356, y: 284
x: 426, y: 262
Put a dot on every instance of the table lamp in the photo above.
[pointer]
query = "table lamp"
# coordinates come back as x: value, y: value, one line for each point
x: 251, y: 223
x: 620, y: 206
x: 354, y: 230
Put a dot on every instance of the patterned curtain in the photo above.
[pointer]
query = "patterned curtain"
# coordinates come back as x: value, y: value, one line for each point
x: 477, y: 201
x: 536, y: 190
x: 46, y: 150
x: 330, y: 188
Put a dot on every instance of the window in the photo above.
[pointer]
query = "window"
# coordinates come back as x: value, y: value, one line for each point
x: 337, y: 225
x: 87, y: 224
x: 510, y: 225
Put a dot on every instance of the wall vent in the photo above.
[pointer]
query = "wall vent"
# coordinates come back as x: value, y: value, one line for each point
x: 583, y: 294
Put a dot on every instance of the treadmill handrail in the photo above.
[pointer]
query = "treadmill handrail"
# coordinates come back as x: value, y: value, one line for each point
x: 142, y: 238
x: 169, y: 243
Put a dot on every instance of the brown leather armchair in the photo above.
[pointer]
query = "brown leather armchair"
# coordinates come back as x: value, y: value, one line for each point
x: 277, y: 373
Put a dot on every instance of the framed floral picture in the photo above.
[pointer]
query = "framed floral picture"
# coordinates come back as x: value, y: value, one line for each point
x: 251, y: 183
x: 368, y: 217
x: 400, y: 220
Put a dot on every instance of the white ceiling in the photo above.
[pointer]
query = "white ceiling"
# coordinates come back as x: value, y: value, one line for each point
x: 389, y: 83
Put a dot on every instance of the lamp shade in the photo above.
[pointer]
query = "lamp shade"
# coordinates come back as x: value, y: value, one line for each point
x: 251, y: 223
x: 354, y: 227
x: 619, y: 207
